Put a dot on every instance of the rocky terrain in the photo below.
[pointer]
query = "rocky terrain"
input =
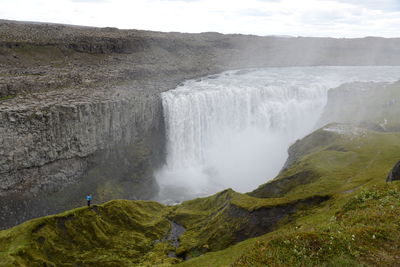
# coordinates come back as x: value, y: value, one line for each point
x: 330, y: 206
x: 80, y: 109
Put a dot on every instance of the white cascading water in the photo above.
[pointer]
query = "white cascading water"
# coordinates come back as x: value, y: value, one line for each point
x: 233, y: 130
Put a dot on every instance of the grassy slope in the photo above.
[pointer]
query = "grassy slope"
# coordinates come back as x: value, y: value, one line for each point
x: 365, y: 231
x: 125, y: 233
x: 118, y: 233
x: 216, y: 222
x: 351, y: 168
x: 357, y: 225
x: 122, y: 233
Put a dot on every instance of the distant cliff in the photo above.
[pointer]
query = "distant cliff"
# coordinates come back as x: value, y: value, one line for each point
x: 372, y: 105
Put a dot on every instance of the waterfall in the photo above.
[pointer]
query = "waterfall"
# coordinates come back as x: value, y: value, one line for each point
x: 233, y: 129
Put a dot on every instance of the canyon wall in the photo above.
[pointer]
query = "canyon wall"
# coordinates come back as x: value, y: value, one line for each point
x: 371, y: 105
x: 80, y: 109
x: 52, y: 147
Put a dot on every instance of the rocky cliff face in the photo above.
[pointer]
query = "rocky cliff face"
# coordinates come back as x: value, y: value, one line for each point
x: 80, y: 110
x: 371, y: 105
x: 80, y: 115
x: 34, y: 140
x: 54, y: 146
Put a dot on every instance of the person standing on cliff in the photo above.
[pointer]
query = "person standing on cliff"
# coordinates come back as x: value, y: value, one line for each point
x: 88, y: 199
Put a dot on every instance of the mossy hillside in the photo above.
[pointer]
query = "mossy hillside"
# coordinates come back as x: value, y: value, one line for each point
x: 132, y: 233
x: 216, y: 222
x: 364, y: 232
x: 356, y: 158
x: 351, y: 163
x: 118, y: 233
x: 207, y: 223
x: 353, y: 157
x: 309, y: 144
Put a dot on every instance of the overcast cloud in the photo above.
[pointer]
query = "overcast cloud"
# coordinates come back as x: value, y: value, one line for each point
x: 336, y: 18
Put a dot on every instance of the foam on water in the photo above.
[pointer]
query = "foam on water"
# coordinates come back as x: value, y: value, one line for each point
x: 233, y: 130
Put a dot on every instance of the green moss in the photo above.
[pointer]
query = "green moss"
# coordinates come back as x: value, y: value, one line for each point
x: 118, y: 233
x: 363, y: 158
x: 7, y: 97
x: 352, y: 168
x: 216, y: 222
x: 204, y: 219
x: 364, y: 232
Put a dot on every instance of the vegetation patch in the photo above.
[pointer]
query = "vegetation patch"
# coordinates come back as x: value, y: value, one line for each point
x: 118, y: 233
x: 228, y: 217
x: 366, y: 231
x: 352, y: 169
x: 2, y: 98
x: 363, y: 158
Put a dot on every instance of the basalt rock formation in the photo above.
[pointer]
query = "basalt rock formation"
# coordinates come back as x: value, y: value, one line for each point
x: 80, y: 109
x: 375, y: 106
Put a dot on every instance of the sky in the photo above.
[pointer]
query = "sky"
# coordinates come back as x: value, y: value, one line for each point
x: 320, y: 18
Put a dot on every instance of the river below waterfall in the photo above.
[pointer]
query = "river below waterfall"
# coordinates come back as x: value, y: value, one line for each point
x: 232, y: 130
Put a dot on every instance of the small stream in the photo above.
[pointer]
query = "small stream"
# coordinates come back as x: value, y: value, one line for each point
x: 173, y: 237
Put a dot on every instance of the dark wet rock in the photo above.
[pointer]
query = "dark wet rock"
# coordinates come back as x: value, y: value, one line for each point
x: 264, y: 220
x: 176, y: 231
x: 394, y: 174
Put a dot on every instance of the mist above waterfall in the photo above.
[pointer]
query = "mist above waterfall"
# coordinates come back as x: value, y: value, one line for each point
x: 233, y: 130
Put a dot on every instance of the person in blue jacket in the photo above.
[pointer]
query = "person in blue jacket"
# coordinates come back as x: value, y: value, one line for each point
x: 88, y: 198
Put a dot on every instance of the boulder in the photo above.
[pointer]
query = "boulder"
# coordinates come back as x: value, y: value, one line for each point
x: 394, y: 174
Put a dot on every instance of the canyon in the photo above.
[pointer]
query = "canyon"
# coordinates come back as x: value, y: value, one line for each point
x: 331, y: 205
x: 80, y: 107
